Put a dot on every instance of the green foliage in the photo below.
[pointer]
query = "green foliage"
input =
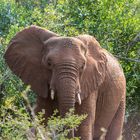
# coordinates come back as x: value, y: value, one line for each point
x: 14, y: 126
x: 113, y: 23
x: 17, y: 123
x: 60, y: 127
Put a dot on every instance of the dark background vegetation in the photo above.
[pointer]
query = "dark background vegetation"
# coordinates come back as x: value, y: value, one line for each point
x: 115, y: 24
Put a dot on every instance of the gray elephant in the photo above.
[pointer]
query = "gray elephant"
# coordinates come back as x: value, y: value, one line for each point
x: 71, y: 72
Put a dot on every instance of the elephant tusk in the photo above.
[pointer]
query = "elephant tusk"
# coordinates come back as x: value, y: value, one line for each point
x: 52, y: 94
x: 79, y: 98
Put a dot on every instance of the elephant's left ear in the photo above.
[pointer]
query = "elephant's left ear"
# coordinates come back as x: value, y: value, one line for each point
x: 94, y: 73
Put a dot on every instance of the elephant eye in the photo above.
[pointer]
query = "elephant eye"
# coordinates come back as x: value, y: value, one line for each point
x: 49, y: 63
x: 83, y: 66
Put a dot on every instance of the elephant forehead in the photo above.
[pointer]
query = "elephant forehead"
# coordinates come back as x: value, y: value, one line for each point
x: 65, y: 42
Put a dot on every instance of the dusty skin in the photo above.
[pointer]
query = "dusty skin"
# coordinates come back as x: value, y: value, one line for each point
x: 71, y: 72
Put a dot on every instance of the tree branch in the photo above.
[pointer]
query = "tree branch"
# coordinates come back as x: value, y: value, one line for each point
x: 128, y: 59
x: 132, y: 43
x: 135, y: 40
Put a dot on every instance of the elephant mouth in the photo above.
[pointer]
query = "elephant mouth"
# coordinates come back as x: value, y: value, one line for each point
x: 77, y: 95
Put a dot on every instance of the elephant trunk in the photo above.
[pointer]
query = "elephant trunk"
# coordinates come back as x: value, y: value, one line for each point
x: 66, y: 87
x: 66, y: 95
x: 66, y: 98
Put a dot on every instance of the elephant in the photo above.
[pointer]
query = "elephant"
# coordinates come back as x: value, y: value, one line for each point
x: 71, y: 72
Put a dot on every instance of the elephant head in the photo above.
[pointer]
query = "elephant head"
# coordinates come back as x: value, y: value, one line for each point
x: 57, y: 67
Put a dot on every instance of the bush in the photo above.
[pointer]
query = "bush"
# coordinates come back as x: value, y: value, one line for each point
x: 17, y: 123
x: 114, y: 24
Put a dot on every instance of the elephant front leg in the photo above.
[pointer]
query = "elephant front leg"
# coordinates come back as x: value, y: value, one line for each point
x: 44, y: 104
x: 85, y: 130
x: 88, y: 106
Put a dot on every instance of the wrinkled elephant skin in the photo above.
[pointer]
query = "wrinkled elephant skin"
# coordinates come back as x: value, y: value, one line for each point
x: 71, y: 72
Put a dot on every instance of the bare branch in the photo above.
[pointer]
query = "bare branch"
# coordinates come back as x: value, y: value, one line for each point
x: 132, y: 43
x: 135, y: 40
x: 128, y: 59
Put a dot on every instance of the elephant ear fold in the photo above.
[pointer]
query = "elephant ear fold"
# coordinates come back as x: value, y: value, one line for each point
x: 24, y: 57
x: 94, y: 73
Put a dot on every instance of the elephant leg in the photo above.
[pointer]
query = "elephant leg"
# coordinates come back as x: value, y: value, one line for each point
x: 85, y: 130
x: 88, y: 106
x: 116, y: 126
x: 44, y: 104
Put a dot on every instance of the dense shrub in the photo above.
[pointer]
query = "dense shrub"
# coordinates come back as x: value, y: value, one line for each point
x: 21, y: 123
x: 114, y: 24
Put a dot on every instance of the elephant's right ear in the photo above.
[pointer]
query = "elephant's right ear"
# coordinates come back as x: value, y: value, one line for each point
x: 24, y: 56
